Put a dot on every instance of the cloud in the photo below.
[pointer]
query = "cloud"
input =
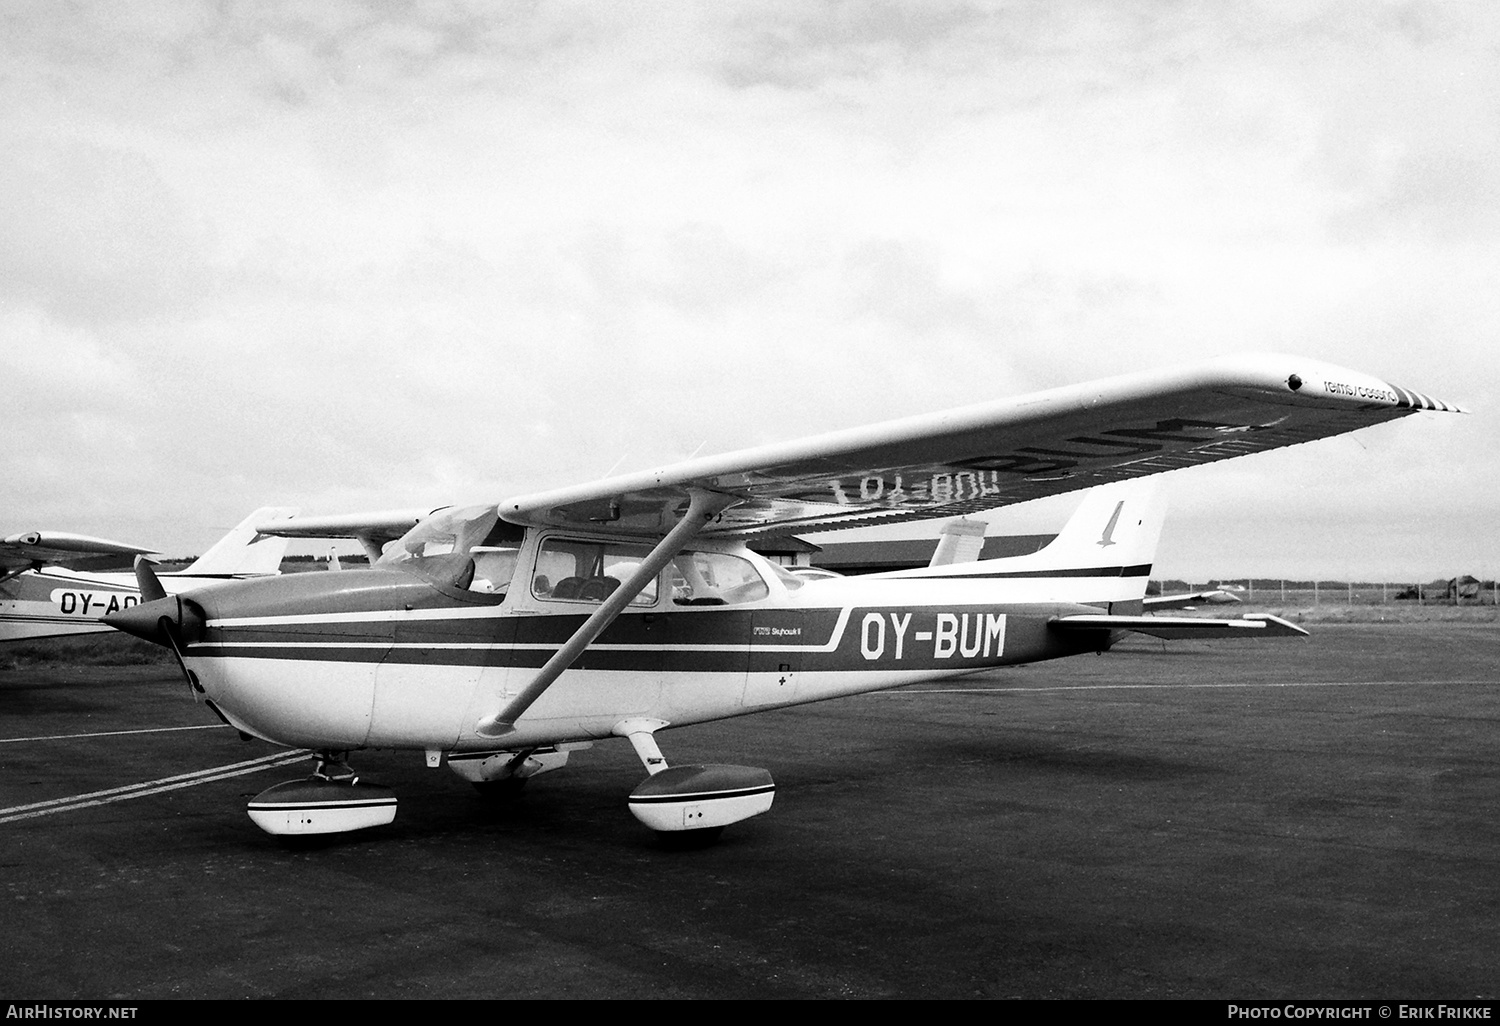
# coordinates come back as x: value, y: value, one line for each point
x: 94, y: 233
x: 347, y: 250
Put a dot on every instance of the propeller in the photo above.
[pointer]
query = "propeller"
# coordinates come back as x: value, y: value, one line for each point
x: 168, y: 620
x: 147, y: 581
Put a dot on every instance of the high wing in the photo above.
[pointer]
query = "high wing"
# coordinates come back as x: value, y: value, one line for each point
x: 994, y: 454
x: 35, y: 549
x: 371, y: 530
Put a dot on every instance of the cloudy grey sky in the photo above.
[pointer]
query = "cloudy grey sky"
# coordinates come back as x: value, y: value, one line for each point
x: 353, y: 256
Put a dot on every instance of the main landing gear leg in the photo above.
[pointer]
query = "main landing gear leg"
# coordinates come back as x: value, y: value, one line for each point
x: 333, y: 767
x: 331, y: 801
x: 691, y: 805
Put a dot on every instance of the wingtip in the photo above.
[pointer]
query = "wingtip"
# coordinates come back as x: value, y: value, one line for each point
x: 1421, y: 401
x: 1327, y: 379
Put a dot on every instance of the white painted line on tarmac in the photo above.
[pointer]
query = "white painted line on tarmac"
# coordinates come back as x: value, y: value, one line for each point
x: 112, y: 733
x: 1169, y: 687
x: 150, y: 787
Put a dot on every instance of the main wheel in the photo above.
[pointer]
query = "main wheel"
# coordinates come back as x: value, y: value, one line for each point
x: 689, y: 840
x: 502, y: 791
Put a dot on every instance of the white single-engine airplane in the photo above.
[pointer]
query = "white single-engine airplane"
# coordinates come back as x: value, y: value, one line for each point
x: 501, y: 638
x: 48, y: 590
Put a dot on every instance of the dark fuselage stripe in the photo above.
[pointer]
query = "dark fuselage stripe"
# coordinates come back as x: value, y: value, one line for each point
x: 1139, y: 570
x: 771, y: 640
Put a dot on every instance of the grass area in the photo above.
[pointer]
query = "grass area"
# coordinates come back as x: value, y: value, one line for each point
x: 1405, y: 612
x: 112, y: 649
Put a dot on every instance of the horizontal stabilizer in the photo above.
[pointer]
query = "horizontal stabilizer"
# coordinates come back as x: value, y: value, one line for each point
x: 1252, y: 625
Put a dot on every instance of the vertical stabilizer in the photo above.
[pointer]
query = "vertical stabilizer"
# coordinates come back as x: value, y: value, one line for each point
x: 1116, y: 525
x: 961, y: 542
x: 1102, y: 556
x: 244, y: 550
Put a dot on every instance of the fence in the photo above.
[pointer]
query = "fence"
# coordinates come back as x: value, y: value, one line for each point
x: 1350, y: 593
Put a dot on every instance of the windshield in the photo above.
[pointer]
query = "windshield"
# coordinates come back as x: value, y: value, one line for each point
x: 469, y: 548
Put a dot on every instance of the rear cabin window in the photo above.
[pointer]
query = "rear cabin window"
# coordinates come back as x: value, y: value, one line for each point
x: 715, y: 579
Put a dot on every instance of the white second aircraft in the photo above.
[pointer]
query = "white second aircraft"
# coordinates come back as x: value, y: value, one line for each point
x: 500, y: 638
x: 48, y: 589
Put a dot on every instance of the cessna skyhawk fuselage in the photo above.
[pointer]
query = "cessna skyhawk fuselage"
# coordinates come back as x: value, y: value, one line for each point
x: 499, y: 638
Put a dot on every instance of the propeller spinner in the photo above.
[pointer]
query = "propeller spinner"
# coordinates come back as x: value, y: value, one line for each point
x: 168, y: 620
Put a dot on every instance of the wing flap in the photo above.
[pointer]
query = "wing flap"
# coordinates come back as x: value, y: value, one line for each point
x: 996, y: 454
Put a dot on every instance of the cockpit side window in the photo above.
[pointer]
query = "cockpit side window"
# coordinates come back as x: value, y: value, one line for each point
x: 585, y: 571
x: 494, y: 566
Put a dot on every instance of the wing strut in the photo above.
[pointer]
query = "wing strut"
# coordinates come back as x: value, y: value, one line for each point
x: 702, y: 508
